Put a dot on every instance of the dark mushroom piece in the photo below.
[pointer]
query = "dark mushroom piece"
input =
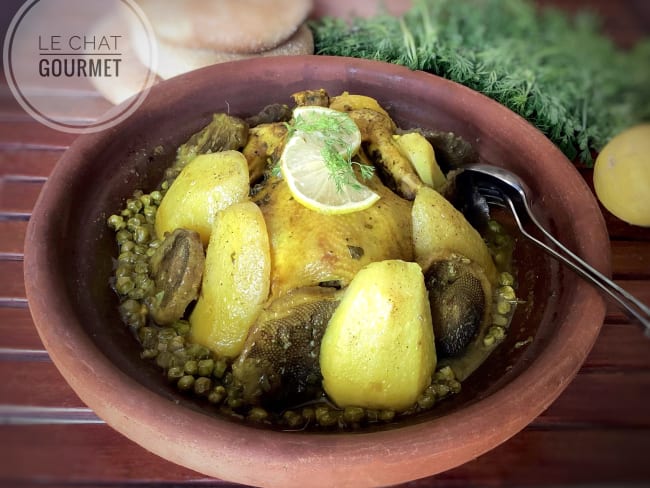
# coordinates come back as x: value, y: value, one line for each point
x: 460, y: 296
x: 279, y: 365
x: 177, y: 269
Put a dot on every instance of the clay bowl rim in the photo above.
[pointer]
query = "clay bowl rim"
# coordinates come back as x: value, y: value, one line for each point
x: 223, y: 449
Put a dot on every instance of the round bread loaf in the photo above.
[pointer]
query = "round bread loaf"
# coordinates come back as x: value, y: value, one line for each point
x: 174, y: 60
x: 233, y: 26
x: 133, y: 76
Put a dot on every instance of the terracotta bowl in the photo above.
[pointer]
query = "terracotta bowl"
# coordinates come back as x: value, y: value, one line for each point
x: 68, y: 263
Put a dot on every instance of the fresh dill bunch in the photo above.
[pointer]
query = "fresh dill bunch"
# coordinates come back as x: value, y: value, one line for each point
x: 559, y: 72
x: 329, y: 133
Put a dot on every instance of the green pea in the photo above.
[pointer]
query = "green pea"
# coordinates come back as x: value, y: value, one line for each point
x: 217, y: 394
x: 175, y: 343
x: 441, y: 389
x: 427, y: 400
x: 148, y: 337
x: 507, y: 292
x: 353, y: 414
x: 149, y: 353
x: 182, y: 327
x: 142, y: 234
x: 326, y: 417
x: 123, y: 236
x: 495, y: 226
x: 202, y: 386
x: 292, y: 419
x: 191, y: 367
x: 387, y: 415
x: 506, y: 279
x: 205, y: 367
x: 185, y: 383
x: 257, y: 414
x: 124, y: 285
x: 503, y: 307
x: 220, y: 367
x: 127, y: 257
x: 499, y: 320
x: 134, y: 205
x: 145, y: 200
x: 116, y: 222
x: 164, y: 359
x: 175, y: 373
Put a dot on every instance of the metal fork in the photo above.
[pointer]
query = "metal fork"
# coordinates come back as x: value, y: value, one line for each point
x: 502, y: 188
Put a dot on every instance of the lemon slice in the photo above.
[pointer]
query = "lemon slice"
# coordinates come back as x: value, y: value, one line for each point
x: 316, y: 178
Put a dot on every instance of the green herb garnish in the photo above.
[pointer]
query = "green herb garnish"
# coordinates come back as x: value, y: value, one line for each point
x: 331, y: 133
x: 558, y: 72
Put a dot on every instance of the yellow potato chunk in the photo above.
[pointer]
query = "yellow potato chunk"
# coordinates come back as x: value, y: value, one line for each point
x: 438, y: 229
x: 378, y: 349
x: 208, y: 184
x: 415, y: 147
x: 236, y: 280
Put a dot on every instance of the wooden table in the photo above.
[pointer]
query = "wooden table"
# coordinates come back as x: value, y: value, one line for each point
x: 597, y: 432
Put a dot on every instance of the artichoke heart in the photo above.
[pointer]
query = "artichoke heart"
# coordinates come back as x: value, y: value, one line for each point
x: 177, y: 269
x: 460, y: 296
x: 279, y: 363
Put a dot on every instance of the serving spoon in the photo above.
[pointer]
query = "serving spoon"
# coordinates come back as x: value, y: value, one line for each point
x: 500, y: 187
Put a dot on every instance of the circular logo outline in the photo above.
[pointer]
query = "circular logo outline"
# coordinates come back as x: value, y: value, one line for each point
x: 106, y: 120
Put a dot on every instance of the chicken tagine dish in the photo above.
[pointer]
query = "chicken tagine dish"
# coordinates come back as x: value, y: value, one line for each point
x: 305, y: 268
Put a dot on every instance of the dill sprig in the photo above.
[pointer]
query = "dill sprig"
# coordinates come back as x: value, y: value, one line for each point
x: 330, y: 134
x: 557, y: 71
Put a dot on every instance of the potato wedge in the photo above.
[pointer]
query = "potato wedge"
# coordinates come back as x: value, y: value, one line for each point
x: 378, y: 349
x: 438, y: 228
x: 236, y: 280
x: 415, y: 147
x: 209, y: 183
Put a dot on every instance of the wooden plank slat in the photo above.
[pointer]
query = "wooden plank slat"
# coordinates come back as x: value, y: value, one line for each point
x: 639, y: 288
x: 616, y: 401
x: 17, y: 329
x: 12, y: 284
x: 102, y: 456
x: 81, y: 453
x: 12, y: 237
x: 557, y: 458
x: 19, y: 195
x: 27, y: 162
x: 631, y: 259
x: 30, y: 134
x: 35, y: 383
x: 620, y: 347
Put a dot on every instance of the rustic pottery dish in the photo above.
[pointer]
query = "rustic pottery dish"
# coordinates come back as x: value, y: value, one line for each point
x: 68, y: 264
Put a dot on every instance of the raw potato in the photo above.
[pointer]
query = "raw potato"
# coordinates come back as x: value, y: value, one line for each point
x: 378, y: 349
x: 209, y: 183
x: 419, y: 151
x: 236, y: 280
x: 438, y: 228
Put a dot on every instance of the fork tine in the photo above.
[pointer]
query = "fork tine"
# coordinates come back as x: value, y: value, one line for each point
x: 492, y: 195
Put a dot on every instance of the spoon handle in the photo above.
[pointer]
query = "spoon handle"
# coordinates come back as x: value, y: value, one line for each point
x: 634, y: 306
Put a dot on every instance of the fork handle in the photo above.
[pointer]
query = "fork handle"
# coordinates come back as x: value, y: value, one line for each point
x: 634, y: 306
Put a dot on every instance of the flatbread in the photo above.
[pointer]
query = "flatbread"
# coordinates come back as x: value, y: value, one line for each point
x: 174, y: 60
x: 233, y: 26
